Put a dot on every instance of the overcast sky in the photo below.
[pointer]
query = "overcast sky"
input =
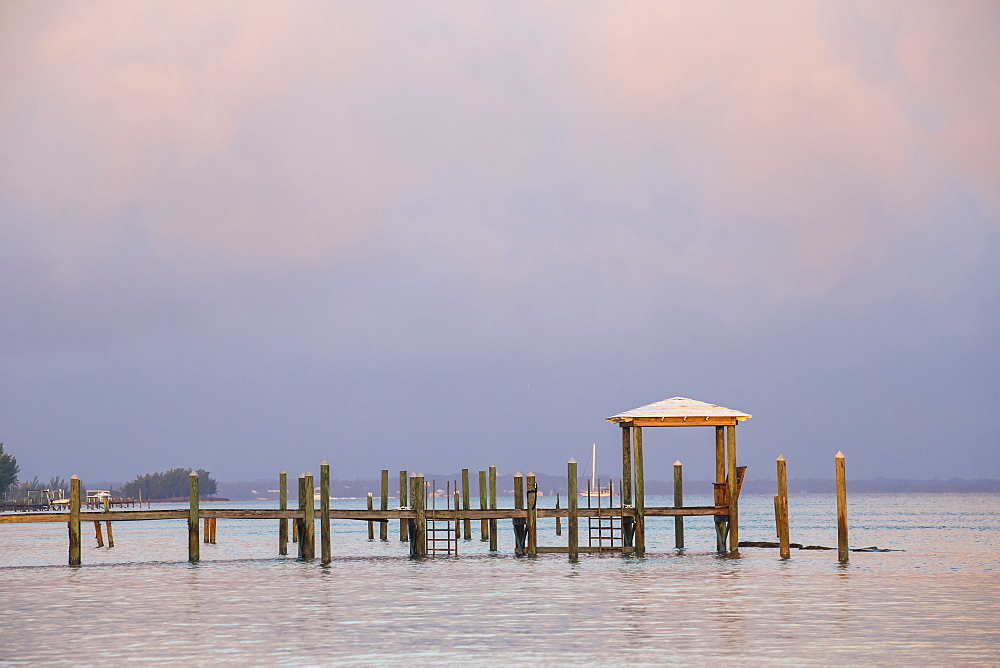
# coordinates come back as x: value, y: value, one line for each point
x: 250, y: 236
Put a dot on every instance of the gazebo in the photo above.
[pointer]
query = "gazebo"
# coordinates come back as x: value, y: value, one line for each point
x: 681, y: 412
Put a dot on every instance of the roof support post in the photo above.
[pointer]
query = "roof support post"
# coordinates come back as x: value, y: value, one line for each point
x: 734, y: 525
x: 640, y: 495
x: 628, y: 525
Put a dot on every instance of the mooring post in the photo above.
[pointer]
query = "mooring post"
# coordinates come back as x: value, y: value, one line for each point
x: 324, y: 513
x: 418, y: 536
x: 678, y: 503
x: 310, y: 521
x: 493, y: 506
x: 518, y: 522
x: 283, y: 505
x: 403, y: 503
x: 558, y: 519
x: 734, y: 522
x: 371, y: 525
x: 194, y: 552
x: 640, y: 494
x: 842, y: 551
x: 532, y: 521
x: 467, y: 524
x: 782, y: 510
x: 574, y: 529
x: 97, y: 533
x: 383, y: 527
x: 107, y: 509
x: 300, y: 531
x: 74, y: 521
x: 484, y: 525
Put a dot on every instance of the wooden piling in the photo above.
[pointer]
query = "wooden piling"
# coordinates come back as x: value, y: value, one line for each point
x: 458, y: 528
x: 194, y: 552
x: 418, y: 535
x: 558, y: 519
x: 640, y: 494
x: 518, y: 522
x: 283, y: 505
x: 74, y: 521
x: 531, y: 523
x: 299, y: 534
x: 111, y: 536
x: 206, y: 530
x: 467, y: 524
x: 678, y: 503
x: 842, y: 551
x: 97, y: 533
x: 371, y: 525
x: 493, y: 505
x: 403, y: 503
x: 721, y: 523
x: 324, y: 512
x: 484, y: 525
x: 628, y: 523
x: 383, y: 527
x: 215, y: 523
x: 734, y: 523
x: 782, y: 507
x: 573, y: 541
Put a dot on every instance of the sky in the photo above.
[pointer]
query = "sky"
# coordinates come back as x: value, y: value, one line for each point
x: 252, y: 236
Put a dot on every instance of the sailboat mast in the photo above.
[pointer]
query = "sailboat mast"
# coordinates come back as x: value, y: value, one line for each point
x: 593, y: 468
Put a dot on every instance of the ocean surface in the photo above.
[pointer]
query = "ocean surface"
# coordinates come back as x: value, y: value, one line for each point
x: 933, y: 599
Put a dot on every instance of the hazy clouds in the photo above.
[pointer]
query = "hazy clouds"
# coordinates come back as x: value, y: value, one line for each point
x: 249, y: 236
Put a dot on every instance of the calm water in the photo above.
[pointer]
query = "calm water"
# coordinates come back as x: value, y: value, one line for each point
x: 936, y: 601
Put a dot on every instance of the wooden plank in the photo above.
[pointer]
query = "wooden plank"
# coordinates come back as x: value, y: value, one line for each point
x: 583, y: 549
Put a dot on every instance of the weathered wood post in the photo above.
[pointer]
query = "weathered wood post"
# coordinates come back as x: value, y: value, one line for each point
x: 842, y: 551
x: 467, y: 524
x: 532, y: 521
x: 418, y: 533
x: 782, y: 508
x: 404, y: 502
x: 283, y: 505
x: 558, y: 519
x: 574, y: 529
x: 678, y: 503
x: 207, y: 529
x: 324, y: 513
x: 518, y: 522
x: 310, y: 521
x: 215, y: 523
x: 458, y: 528
x: 300, y: 531
x: 628, y: 523
x: 111, y: 538
x: 640, y: 494
x: 721, y: 523
x: 484, y: 525
x: 194, y: 553
x: 383, y: 527
x: 97, y: 533
x: 734, y: 522
x: 74, y: 521
x: 371, y: 525
x: 493, y: 506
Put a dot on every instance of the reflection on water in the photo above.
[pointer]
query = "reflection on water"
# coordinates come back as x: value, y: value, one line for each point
x: 934, y: 602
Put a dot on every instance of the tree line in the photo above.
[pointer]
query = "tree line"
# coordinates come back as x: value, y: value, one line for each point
x: 169, y: 485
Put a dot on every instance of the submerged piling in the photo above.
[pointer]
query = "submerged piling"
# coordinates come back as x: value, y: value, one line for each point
x: 324, y: 513
x: 518, y: 522
x: 74, y: 521
x: 194, y: 552
x: 531, y: 524
x: 283, y: 505
x: 493, y: 505
x: 484, y: 525
x: 383, y: 527
x: 403, y: 503
x: 467, y: 524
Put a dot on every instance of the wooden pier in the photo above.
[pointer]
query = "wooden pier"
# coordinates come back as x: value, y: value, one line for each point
x: 433, y: 531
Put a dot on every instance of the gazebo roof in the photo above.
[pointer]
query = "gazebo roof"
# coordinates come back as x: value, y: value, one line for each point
x: 680, y: 412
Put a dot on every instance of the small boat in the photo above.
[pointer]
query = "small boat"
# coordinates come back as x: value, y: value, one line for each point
x: 595, y: 490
